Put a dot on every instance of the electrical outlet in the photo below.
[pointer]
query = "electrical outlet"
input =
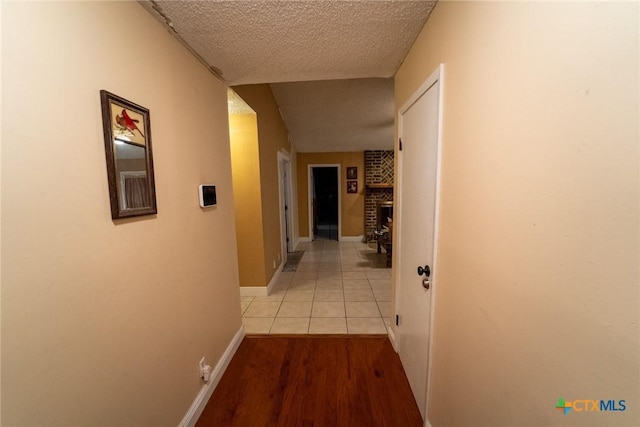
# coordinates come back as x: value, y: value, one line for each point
x: 274, y: 263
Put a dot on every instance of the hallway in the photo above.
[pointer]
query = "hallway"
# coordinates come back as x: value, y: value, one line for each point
x: 338, y: 288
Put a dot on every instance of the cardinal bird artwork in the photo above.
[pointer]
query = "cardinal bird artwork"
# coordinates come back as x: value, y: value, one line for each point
x: 124, y: 121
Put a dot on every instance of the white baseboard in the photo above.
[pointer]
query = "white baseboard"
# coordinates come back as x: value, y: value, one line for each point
x: 392, y: 337
x: 261, y: 291
x: 301, y: 240
x: 352, y: 238
x: 274, y: 279
x: 194, y: 412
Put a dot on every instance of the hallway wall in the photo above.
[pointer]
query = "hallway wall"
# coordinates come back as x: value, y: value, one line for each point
x: 352, y: 213
x: 537, y: 283
x: 104, y: 322
x: 272, y: 137
x: 247, y: 198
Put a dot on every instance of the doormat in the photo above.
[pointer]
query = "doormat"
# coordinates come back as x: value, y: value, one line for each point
x: 293, y: 259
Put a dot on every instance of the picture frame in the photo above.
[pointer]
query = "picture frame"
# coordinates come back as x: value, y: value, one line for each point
x: 352, y: 172
x: 127, y: 141
x: 352, y: 187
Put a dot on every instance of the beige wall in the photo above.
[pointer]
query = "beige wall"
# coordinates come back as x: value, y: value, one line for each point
x: 537, y: 281
x: 245, y: 165
x: 92, y: 335
x: 273, y: 137
x: 352, y: 212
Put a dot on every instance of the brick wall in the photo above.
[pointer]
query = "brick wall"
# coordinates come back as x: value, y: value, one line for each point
x: 378, y: 167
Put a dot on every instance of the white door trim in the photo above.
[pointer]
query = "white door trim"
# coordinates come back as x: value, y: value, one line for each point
x: 437, y: 75
x: 283, y: 156
x: 310, y: 199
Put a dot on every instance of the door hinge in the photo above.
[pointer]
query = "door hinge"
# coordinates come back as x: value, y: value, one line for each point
x: 397, y: 320
x: 286, y: 207
x: 287, y: 240
x: 399, y: 144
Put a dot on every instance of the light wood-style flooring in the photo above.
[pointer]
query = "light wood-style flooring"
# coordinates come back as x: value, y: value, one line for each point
x: 307, y: 380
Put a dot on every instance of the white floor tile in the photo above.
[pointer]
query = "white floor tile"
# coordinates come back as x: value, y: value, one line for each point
x: 305, y: 275
x: 356, y: 284
x: 338, y: 288
x: 354, y: 275
x: 329, y: 295
x: 293, y: 325
x: 366, y: 326
x: 384, y: 284
x: 295, y: 309
x: 359, y: 295
x: 304, y: 285
x: 244, y: 305
x: 257, y: 325
x: 329, y: 285
x: 276, y: 295
x: 298, y: 295
x: 328, y: 325
x: 328, y: 309
x: 385, y: 309
x: 262, y: 309
x: 382, y: 273
x: 308, y: 266
x: 362, y: 309
x: 329, y: 275
x: 329, y: 266
x: 382, y: 295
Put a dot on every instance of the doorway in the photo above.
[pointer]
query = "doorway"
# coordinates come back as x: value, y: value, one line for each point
x: 324, y: 200
x: 419, y: 125
x: 286, y: 203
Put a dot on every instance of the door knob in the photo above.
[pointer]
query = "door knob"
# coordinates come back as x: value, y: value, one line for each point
x: 426, y: 271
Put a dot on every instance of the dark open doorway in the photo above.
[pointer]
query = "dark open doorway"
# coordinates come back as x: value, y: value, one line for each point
x: 325, y: 202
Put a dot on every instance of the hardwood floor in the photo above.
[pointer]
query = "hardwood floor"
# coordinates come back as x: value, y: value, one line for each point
x: 313, y: 381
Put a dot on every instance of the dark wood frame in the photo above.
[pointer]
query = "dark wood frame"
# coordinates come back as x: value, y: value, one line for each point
x: 106, y: 99
x: 352, y: 172
x: 352, y: 187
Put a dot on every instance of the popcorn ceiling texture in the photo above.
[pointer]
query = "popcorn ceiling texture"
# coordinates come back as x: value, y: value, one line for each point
x: 281, y: 41
x: 330, y: 62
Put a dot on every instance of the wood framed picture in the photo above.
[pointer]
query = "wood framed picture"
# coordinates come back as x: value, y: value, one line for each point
x: 352, y: 172
x: 127, y: 142
x: 352, y: 187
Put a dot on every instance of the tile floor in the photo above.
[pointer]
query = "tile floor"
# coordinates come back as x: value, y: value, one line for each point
x: 338, y: 288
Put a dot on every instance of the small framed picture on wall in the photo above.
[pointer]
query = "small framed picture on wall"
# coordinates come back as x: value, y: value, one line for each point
x: 352, y: 187
x: 352, y: 172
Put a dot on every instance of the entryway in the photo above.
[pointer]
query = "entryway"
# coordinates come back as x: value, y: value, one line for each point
x: 419, y: 124
x: 324, y: 195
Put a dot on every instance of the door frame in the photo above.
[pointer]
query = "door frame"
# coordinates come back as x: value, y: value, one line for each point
x: 310, y: 198
x: 435, y: 77
x: 285, y: 197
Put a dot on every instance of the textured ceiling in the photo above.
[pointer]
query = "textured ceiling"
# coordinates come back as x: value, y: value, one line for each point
x: 311, y: 43
x: 338, y: 115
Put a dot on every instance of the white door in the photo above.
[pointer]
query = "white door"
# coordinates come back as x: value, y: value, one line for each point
x: 419, y: 134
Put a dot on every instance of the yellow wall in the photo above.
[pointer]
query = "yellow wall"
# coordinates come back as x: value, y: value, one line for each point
x: 537, y: 281
x: 352, y: 212
x: 273, y: 137
x: 245, y: 164
x: 103, y: 322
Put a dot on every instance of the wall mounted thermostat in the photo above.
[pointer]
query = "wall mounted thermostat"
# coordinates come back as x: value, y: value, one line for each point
x: 207, y: 195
